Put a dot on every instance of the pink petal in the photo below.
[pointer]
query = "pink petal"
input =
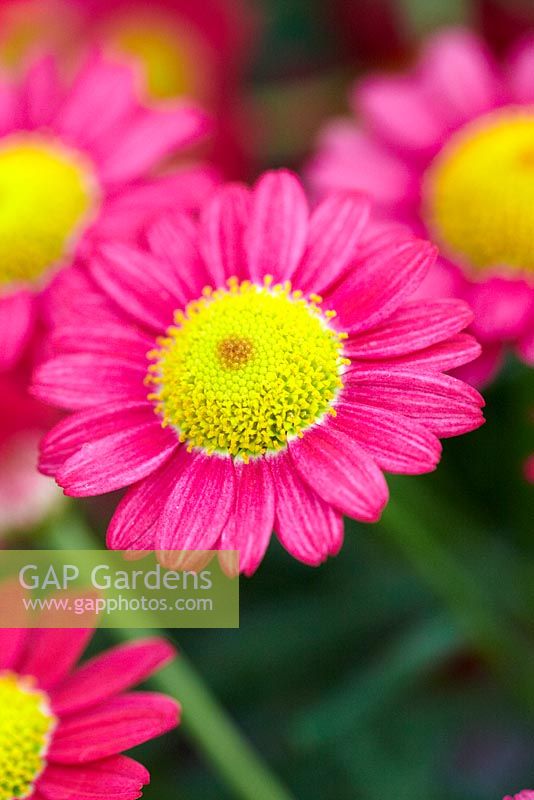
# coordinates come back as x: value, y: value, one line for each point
x: 9, y: 106
x: 73, y: 298
x: 116, y: 777
x: 379, y: 234
x: 41, y: 92
x: 141, y: 285
x: 12, y: 640
x: 110, y: 673
x: 276, y: 236
x: 52, y: 653
x: 122, y: 723
x: 73, y: 432
x: 376, y: 288
x: 307, y: 527
x: 522, y: 73
x: 441, y: 357
x: 502, y: 308
x: 459, y: 76
x: 17, y: 317
x: 445, y: 405
x: 340, y: 471
x: 110, y: 338
x: 349, y: 159
x: 400, y: 114
x: 483, y: 369
x: 79, y: 380
x: 396, y: 443
x: 148, y: 138
x: 335, y: 229
x: 134, y: 523
x: 174, y: 239
x: 199, y: 504
x: 251, y: 522
x: 222, y: 226
x: 118, y: 459
x: 415, y: 326
x: 128, y: 213
x: 102, y: 95
x: 11, y: 644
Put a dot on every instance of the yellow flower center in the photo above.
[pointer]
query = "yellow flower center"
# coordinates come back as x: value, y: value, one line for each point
x: 26, y: 725
x: 46, y: 196
x: 478, y: 195
x: 247, y: 368
x: 172, y: 57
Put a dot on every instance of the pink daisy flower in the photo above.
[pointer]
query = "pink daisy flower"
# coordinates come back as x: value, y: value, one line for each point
x: 62, y: 727
x: 75, y: 169
x: 526, y: 794
x: 182, y: 46
x: 258, y: 369
x: 447, y: 149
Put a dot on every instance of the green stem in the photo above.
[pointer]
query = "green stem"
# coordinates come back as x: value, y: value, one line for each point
x: 473, y: 605
x: 203, y: 719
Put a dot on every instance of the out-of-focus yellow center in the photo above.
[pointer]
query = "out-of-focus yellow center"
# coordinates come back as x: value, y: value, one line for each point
x: 246, y: 368
x: 26, y: 725
x: 46, y: 197
x: 169, y: 55
x: 479, y: 193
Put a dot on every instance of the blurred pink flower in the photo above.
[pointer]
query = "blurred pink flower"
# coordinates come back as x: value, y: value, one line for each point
x: 76, y: 168
x: 529, y: 469
x: 268, y: 406
x: 78, y: 719
x: 185, y: 47
x: 447, y: 150
x: 526, y: 794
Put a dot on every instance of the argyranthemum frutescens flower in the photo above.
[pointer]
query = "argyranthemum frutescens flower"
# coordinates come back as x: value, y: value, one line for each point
x: 182, y: 48
x: 258, y: 369
x: 62, y: 727
x: 75, y: 169
x: 526, y: 794
x: 448, y: 149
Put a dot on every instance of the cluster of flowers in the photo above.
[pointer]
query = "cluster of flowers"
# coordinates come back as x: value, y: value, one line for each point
x: 241, y: 360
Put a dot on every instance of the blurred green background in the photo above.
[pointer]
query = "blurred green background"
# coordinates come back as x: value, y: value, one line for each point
x: 404, y: 668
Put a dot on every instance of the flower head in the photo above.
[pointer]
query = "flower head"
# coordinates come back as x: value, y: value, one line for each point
x: 75, y: 169
x: 257, y: 369
x: 63, y: 728
x: 178, y: 47
x: 526, y: 794
x: 447, y: 149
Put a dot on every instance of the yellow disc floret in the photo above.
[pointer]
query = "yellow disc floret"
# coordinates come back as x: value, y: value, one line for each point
x: 46, y: 196
x: 247, y: 368
x: 479, y: 193
x: 171, y: 56
x: 26, y: 725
